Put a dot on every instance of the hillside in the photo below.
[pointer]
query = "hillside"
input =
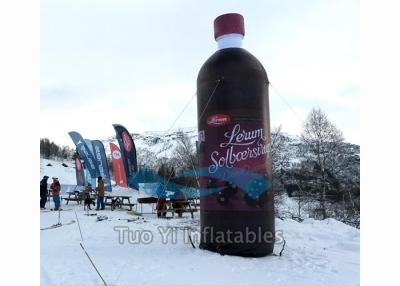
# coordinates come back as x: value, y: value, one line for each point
x: 162, y: 143
x: 55, y: 168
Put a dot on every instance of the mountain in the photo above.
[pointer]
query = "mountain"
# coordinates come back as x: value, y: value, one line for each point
x: 160, y: 143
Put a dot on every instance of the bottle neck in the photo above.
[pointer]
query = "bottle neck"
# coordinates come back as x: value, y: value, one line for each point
x: 230, y: 41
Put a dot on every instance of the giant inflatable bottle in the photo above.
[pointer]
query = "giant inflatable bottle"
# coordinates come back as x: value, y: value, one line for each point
x: 237, y: 211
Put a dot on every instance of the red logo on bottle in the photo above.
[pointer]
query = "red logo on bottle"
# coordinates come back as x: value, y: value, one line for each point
x: 218, y: 120
x: 126, y: 139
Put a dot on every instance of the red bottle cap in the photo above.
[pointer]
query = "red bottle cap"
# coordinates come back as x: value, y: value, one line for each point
x: 231, y: 23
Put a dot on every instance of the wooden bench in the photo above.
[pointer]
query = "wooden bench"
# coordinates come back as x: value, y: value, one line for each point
x: 185, y: 207
x: 183, y: 210
x: 121, y: 199
x: 79, y: 201
x: 76, y: 196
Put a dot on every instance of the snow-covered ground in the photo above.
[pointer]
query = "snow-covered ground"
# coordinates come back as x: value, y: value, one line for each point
x: 316, y: 252
x: 66, y: 175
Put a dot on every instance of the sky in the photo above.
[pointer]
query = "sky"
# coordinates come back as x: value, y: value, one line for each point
x: 136, y: 62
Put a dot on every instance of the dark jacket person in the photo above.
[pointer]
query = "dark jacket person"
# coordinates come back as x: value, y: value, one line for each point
x: 43, y: 192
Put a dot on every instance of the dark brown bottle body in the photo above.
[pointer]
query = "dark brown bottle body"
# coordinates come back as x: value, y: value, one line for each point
x: 234, y: 134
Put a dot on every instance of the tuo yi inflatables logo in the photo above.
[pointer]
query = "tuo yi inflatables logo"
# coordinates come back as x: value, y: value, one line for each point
x: 218, y: 120
x: 116, y: 154
x: 126, y: 139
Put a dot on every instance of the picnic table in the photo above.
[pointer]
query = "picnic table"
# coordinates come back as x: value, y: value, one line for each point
x: 120, y: 201
x: 74, y: 196
x: 185, y: 206
x: 189, y: 205
x: 49, y: 196
x: 78, y: 196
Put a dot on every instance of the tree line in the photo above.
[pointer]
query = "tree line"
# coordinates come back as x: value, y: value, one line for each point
x: 50, y: 150
x: 320, y: 171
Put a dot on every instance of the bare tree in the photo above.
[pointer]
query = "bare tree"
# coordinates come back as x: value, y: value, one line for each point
x: 279, y: 149
x: 322, y: 143
x: 280, y: 160
x: 186, y: 156
x: 185, y: 152
x: 145, y: 157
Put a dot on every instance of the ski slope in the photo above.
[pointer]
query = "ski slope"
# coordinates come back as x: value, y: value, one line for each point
x: 316, y: 252
x: 66, y: 175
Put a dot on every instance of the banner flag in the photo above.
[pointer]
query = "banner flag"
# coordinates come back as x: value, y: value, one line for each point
x: 128, y: 151
x: 100, y: 155
x: 92, y: 180
x: 85, y: 153
x: 118, y: 166
x: 79, y: 170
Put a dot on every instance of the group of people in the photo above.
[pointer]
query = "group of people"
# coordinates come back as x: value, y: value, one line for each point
x: 55, y: 189
x: 100, y: 193
x: 179, y: 198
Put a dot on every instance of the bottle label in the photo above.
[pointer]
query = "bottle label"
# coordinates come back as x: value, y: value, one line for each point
x: 236, y: 157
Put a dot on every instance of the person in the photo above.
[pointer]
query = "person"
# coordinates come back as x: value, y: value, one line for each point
x: 161, y: 201
x: 87, y: 200
x: 100, y: 193
x: 88, y: 190
x: 43, y: 192
x: 55, y: 187
x: 179, y: 201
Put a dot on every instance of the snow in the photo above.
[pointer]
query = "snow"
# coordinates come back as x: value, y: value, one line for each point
x: 66, y: 175
x: 316, y: 253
